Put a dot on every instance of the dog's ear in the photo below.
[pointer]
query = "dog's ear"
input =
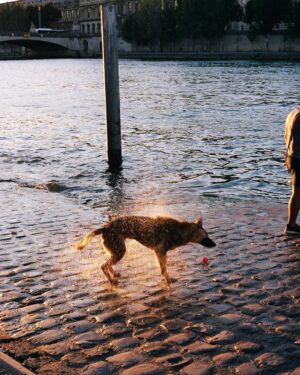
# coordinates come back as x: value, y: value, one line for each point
x: 199, y: 221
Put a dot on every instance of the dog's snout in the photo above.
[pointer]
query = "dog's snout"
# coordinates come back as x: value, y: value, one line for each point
x: 207, y: 242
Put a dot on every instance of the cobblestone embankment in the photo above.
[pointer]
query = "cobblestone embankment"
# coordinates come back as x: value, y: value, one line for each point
x: 58, y: 315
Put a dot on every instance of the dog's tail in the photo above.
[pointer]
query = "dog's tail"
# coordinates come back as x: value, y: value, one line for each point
x: 88, y: 238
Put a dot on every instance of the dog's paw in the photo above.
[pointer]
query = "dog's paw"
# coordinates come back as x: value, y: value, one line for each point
x: 114, y: 282
x: 171, y: 280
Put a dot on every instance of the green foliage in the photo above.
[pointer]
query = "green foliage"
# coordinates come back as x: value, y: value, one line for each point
x: 50, y: 15
x: 206, y: 17
x: 266, y: 13
x: 294, y: 19
x: 191, y: 18
x: 150, y: 25
x: 15, y: 18
x: 188, y: 18
x: 253, y: 32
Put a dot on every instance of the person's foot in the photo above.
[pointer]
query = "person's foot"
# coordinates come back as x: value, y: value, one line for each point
x: 292, y: 229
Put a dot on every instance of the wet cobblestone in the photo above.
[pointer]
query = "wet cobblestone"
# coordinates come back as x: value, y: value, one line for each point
x: 58, y: 315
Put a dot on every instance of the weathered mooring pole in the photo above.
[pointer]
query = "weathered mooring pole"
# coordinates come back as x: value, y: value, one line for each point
x: 108, y: 11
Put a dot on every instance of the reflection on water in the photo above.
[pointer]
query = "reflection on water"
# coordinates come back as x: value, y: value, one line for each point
x: 190, y: 129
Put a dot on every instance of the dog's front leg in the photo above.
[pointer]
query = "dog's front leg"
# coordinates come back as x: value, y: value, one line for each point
x: 162, y: 261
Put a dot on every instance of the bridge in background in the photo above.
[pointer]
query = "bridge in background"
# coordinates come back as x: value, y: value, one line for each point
x: 50, y: 45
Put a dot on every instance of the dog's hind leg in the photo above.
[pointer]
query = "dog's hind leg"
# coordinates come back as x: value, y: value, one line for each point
x: 162, y: 261
x: 112, y: 271
x: 106, y: 270
x: 116, y: 249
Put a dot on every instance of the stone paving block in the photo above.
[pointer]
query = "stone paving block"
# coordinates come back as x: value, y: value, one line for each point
x: 156, y: 349
x: 174, y: 325
x: 180, y: 339
x: 200, y: 347
x: 49, y: 337
x: 47, y: 323
x: 294, y: 372
x: 115, y: 330
x: 173, y: 360
x: 58, y: 349
x: 124, y: 343
x: 253, y: 309
x: 230, y: 319
x: 144, y: 369
x: 126, y: 359
x: 197, y: 368
x: 224, y: 337
x: 74, y: 359
x: 80, y: 326
x: 246, y: 300
x: 144, y: 320
x: 109, y: 317
x: 269, y: 360
x: 247, y: 368
x: 248, y: 347
x: 150, y: 334
x: 87, y: 339
x: 226, y: 358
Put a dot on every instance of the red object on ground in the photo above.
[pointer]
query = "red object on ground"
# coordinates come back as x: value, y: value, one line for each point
x: 204, y: 260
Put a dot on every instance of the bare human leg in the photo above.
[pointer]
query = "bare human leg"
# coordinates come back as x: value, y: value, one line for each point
x: 294, y: 205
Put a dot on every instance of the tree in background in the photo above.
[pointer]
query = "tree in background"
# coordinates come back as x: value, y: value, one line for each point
x: 154, y: 23
x: 216, y: 14
x: 168, y: 31
x: 207, y: 18
x: 188, y: 18
x: 158, y: 21
x: 142, y: 27
x: 263, y: 15
x: 294, y: 19
x: 15, y: 18
x: 50, y: 15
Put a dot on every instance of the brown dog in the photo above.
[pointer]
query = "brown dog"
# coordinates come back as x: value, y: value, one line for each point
x: 160, y: 234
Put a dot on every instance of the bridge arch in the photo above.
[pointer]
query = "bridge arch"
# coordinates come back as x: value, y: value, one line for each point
x: 40, y: 46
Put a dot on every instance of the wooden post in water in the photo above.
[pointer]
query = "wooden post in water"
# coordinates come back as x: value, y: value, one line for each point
x: 108, y: 11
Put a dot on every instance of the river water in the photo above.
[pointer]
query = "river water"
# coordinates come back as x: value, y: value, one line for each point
x: 191, y: 131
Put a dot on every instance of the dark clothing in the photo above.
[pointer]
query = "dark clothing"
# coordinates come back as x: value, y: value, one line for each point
x: 293, y: 166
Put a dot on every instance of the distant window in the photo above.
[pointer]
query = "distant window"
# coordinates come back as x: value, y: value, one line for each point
x: 93, y: 28
x: 83, y: 28
x: 88, y: 28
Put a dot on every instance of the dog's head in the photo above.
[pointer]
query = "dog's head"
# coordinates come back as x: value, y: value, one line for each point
x: 201, y: 235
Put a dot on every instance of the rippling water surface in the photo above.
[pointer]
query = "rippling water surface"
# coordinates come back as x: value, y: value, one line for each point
x: 200, y: 130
